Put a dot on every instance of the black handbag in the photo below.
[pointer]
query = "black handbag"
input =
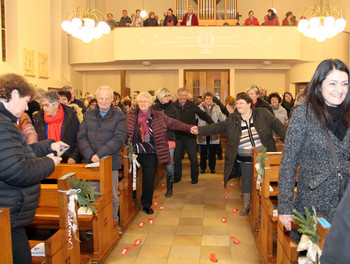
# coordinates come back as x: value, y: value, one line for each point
x: 342, y: 182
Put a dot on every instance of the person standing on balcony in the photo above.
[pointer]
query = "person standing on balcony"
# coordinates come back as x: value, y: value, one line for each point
x: 151, y: 21
x: 111, y: 22
x: 170, y: 19
x: 125, y: 21
x: 271, y: 19
x: 251, y: 20
x: 190, y: 18
x: 137, y: 20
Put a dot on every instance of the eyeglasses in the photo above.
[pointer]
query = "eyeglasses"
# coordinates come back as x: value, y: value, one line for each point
x: 168, y: 95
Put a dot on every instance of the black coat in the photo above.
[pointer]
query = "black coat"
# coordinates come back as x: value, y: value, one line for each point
x: 166, y: 19
x: 150, y: 22
x: 70, y: 128
x: 264, y: 123
x: 188, y: 114
x: 169, y: 110
x: 104, y: 136
x: 263, y: 104
x: 337, y: 244
x: 21, y: 171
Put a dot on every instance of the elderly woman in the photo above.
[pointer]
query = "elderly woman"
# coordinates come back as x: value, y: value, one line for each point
x: 247, y: 128
x: 165, y: 105
x: 254, y: 93
x: 209, y: 143
x: 281, y: 113
x: 59, y: 122
x: 287, y: 102
x: 147, y: 129
x: 22, y: 167
x: 318, y: 138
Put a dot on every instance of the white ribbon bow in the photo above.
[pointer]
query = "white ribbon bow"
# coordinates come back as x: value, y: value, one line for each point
x: 313, y: 251
x: 133, y: 169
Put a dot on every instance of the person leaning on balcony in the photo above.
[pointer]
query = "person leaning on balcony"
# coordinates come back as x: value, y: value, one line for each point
x: 137, y: 20
x: 125, y: 21
x: 170, y: 19
x: 190, y: 18
x: 251, y: 20
x: 151, y: 21
x: 111, y: 22
x: 271, y: 18
x: 289, y: 20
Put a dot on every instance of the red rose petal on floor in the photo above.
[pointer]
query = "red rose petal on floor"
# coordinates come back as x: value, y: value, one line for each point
x: 224, y: 220
x: 154, y: 207
x: 234, y: 210
x: 235, y: 241
x: 161, y: 207
x: 137, y: 242
x: 155, y: 203
x: 150, y: 220
x: 161, y: 190
x: 225, y: 197
x: 163, y: 184
x: 219, y: 170
x: 228, y: 189
x: 141, y: 224
x: 125, y: 250
x: 231, y: 184
x: 156, y: 197
x: 213, y: 257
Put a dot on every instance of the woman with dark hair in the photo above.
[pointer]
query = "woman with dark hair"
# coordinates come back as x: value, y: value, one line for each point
x: 287, y: 102
x: 271, y: 18
x: 22, y: 167
x: 92, y: 104
x: 137, y: 19
x: 251, y: 20
x: 318, y: 138
x: 246, y: 128
x: 281, y: 113
x: 151, y: 21
x: 289, y: 20
x: 59, y: 122
x: 147, y: 130
x: 170, y: 19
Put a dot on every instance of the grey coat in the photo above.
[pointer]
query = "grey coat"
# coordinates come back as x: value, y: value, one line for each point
x: 264, y: 123
x: 318, y: 185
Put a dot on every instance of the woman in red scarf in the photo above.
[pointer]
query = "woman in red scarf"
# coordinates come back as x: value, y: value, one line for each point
x: 59, y: 122
x: 147, y: 129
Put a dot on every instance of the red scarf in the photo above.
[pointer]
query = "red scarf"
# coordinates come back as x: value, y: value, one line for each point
x: 142, y: 119
x: 54, y: 124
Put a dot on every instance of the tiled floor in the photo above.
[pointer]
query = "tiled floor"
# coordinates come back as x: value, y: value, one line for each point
x: 189, y: 228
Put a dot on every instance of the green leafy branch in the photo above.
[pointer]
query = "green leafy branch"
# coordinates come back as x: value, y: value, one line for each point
x: 131, y: 149
x: 86, y: 196
x: 307, y: 224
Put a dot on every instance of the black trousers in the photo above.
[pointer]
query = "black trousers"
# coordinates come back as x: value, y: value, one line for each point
x: 212, y: 156
x: 190, y: 145
x: 246, y: 169
x: 149, y: 169
x: 219, y: 150
x: 20, y: 247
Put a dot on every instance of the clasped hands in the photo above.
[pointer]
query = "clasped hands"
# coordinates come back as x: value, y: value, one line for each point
x: 194, y: 130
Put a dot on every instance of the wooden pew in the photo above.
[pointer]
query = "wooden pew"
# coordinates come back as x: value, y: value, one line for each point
x: 105, y: 231
x: 5, y: 236
x: 58, y: 249
x: 127, y: 204
x: 254, y: 211
x: 287, y: 248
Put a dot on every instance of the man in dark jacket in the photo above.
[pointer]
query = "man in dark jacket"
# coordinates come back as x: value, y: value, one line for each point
x: 125, y: 21
x: 103, y: 133
x: 187, y: 112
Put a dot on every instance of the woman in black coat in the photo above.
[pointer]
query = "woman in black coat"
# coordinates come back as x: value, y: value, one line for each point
x: 68, y: 127
x: 22, y: 167
x: 247, y: 128
x: 164, y: 104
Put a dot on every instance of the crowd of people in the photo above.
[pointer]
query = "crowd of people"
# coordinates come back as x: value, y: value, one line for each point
x: 191, y: 19
x: 164, y: 127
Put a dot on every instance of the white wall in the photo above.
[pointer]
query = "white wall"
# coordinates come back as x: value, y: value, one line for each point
x: 98, y: 78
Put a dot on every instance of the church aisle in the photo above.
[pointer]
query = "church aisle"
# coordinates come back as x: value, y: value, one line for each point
x: 190, y: 228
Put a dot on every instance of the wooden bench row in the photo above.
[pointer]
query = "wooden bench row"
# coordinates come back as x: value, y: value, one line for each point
x: 263, y: 214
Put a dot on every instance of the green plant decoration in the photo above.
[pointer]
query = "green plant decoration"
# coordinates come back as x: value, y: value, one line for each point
x: 86, y: 195
x: 261, y: 160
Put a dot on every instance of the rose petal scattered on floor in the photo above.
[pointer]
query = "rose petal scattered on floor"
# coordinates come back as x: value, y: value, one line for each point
x: 225, y: 197
x: 161, y: 190
x: 224, y: 220
x: 150, y: 220
x: 137, y: 242
x: 163, y: 184
x: 235, y: 241
x: 234, y: 210
x: 125, y: 250
x: 141, y: 224
x: 228, y: 189
x: 213, y: 257
x: 161, y: 207
x: 156, y: 197
x: 231, y: 184
x: 155, y: 203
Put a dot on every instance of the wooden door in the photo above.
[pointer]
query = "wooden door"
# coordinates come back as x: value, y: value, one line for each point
x: 200, y: 81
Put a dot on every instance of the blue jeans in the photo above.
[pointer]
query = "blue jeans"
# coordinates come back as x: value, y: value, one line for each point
x: 169, y: 168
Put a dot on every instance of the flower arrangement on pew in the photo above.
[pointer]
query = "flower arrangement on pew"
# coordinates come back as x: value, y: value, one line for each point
x: 260, y: 166
x: 309, y: 239
x: 133, y: 161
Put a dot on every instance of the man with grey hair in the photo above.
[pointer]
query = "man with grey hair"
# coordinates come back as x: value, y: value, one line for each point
x: 103, y: 133
x: 190, y: 18
x: 73, y: 100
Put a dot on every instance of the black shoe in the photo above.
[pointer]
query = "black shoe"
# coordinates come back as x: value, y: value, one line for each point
x: 177, y: 180
x: 148, y: 210
x: 194, y: 181
x: 202, y: 171
x: 212, y: 171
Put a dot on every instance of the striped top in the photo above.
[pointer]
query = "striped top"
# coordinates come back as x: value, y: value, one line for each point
x: 144, y: 147
x: 249, y: 139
